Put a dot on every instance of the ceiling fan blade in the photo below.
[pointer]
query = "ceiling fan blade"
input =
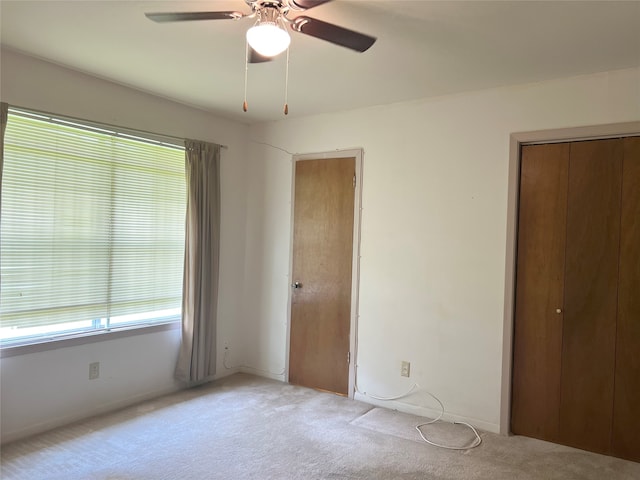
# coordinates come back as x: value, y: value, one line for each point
x: 333, y: 33
x: 307, y: 4
x: 162, y: 17
x: 255, y: 57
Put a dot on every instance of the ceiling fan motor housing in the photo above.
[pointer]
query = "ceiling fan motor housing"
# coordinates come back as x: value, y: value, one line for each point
x: 283, y: 6
x: 269, y: 14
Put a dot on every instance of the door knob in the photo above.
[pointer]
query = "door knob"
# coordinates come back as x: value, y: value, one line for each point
x: 558, y: 310
x: 296, y: 285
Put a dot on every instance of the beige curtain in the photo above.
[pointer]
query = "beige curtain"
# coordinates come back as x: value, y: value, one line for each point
x: 4, y: 108
x: 197, y: 357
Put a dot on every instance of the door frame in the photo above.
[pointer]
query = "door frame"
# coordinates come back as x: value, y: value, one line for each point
x: 517, y: 140
x: 356, y: 153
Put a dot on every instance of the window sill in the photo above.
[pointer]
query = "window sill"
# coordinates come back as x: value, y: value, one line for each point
x: 85, y: 338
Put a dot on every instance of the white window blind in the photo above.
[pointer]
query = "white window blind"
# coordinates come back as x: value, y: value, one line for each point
x: 91, y: 231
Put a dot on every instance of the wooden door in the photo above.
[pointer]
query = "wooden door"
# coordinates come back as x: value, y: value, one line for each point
x: 322, y: 264
x: 539, y: 294
x: 591, y: 294
x: 626, y: 412
x: 576, y: 367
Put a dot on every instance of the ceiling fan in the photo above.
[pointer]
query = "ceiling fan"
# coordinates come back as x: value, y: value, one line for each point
x: 269, y: 37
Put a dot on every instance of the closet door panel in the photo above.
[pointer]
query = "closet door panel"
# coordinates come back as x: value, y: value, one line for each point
x: 539, y: 291
x: 626, y: 413
x: 591, y: 294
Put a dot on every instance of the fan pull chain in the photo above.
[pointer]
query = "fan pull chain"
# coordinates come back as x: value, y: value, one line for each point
x: 245, y: 107
x: 286, y: 86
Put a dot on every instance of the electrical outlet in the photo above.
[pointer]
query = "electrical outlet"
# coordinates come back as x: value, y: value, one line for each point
x: 94, y: 370
x: 405, y: 369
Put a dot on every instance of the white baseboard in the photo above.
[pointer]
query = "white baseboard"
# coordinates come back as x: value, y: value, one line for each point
x: 263, y: 373
x: 427, y: 412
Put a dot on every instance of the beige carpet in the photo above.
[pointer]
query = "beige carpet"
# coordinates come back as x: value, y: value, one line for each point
x: 244, y: 427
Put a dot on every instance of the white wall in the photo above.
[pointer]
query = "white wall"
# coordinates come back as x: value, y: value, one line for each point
x: 433, y: 239
x: 434, y: 231
x: 46, y: 389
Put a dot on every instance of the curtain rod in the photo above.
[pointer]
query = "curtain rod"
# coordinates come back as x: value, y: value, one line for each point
x: 117, y: 128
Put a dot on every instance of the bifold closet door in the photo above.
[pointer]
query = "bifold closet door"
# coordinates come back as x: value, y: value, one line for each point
x: 626, y: 412
x: 542, y: 213
x: 576, y: 364
x: 591, y: 294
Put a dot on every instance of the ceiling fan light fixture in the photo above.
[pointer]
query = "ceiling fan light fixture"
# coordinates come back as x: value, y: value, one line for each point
x: 268, y: 39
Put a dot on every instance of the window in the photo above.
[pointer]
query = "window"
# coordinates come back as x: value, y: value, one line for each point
x: 91, y: 229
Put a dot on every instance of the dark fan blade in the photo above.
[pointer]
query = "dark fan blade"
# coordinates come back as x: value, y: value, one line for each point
x: 307, y: 4
x: 188, y: 16
x: 255, y: 57
x: 333, y: 33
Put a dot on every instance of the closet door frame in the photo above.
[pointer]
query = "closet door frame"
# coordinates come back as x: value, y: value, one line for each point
x: 517, y: 140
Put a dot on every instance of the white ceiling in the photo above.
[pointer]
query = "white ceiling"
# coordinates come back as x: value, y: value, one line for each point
x: 424, y: 49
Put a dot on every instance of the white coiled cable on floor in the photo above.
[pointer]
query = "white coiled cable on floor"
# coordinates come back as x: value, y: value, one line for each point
x: 415, y: 386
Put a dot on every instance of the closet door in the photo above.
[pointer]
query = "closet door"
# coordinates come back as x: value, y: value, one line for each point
x: 539, y: 291
x: 626, y: 412
x: 591, y: 294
